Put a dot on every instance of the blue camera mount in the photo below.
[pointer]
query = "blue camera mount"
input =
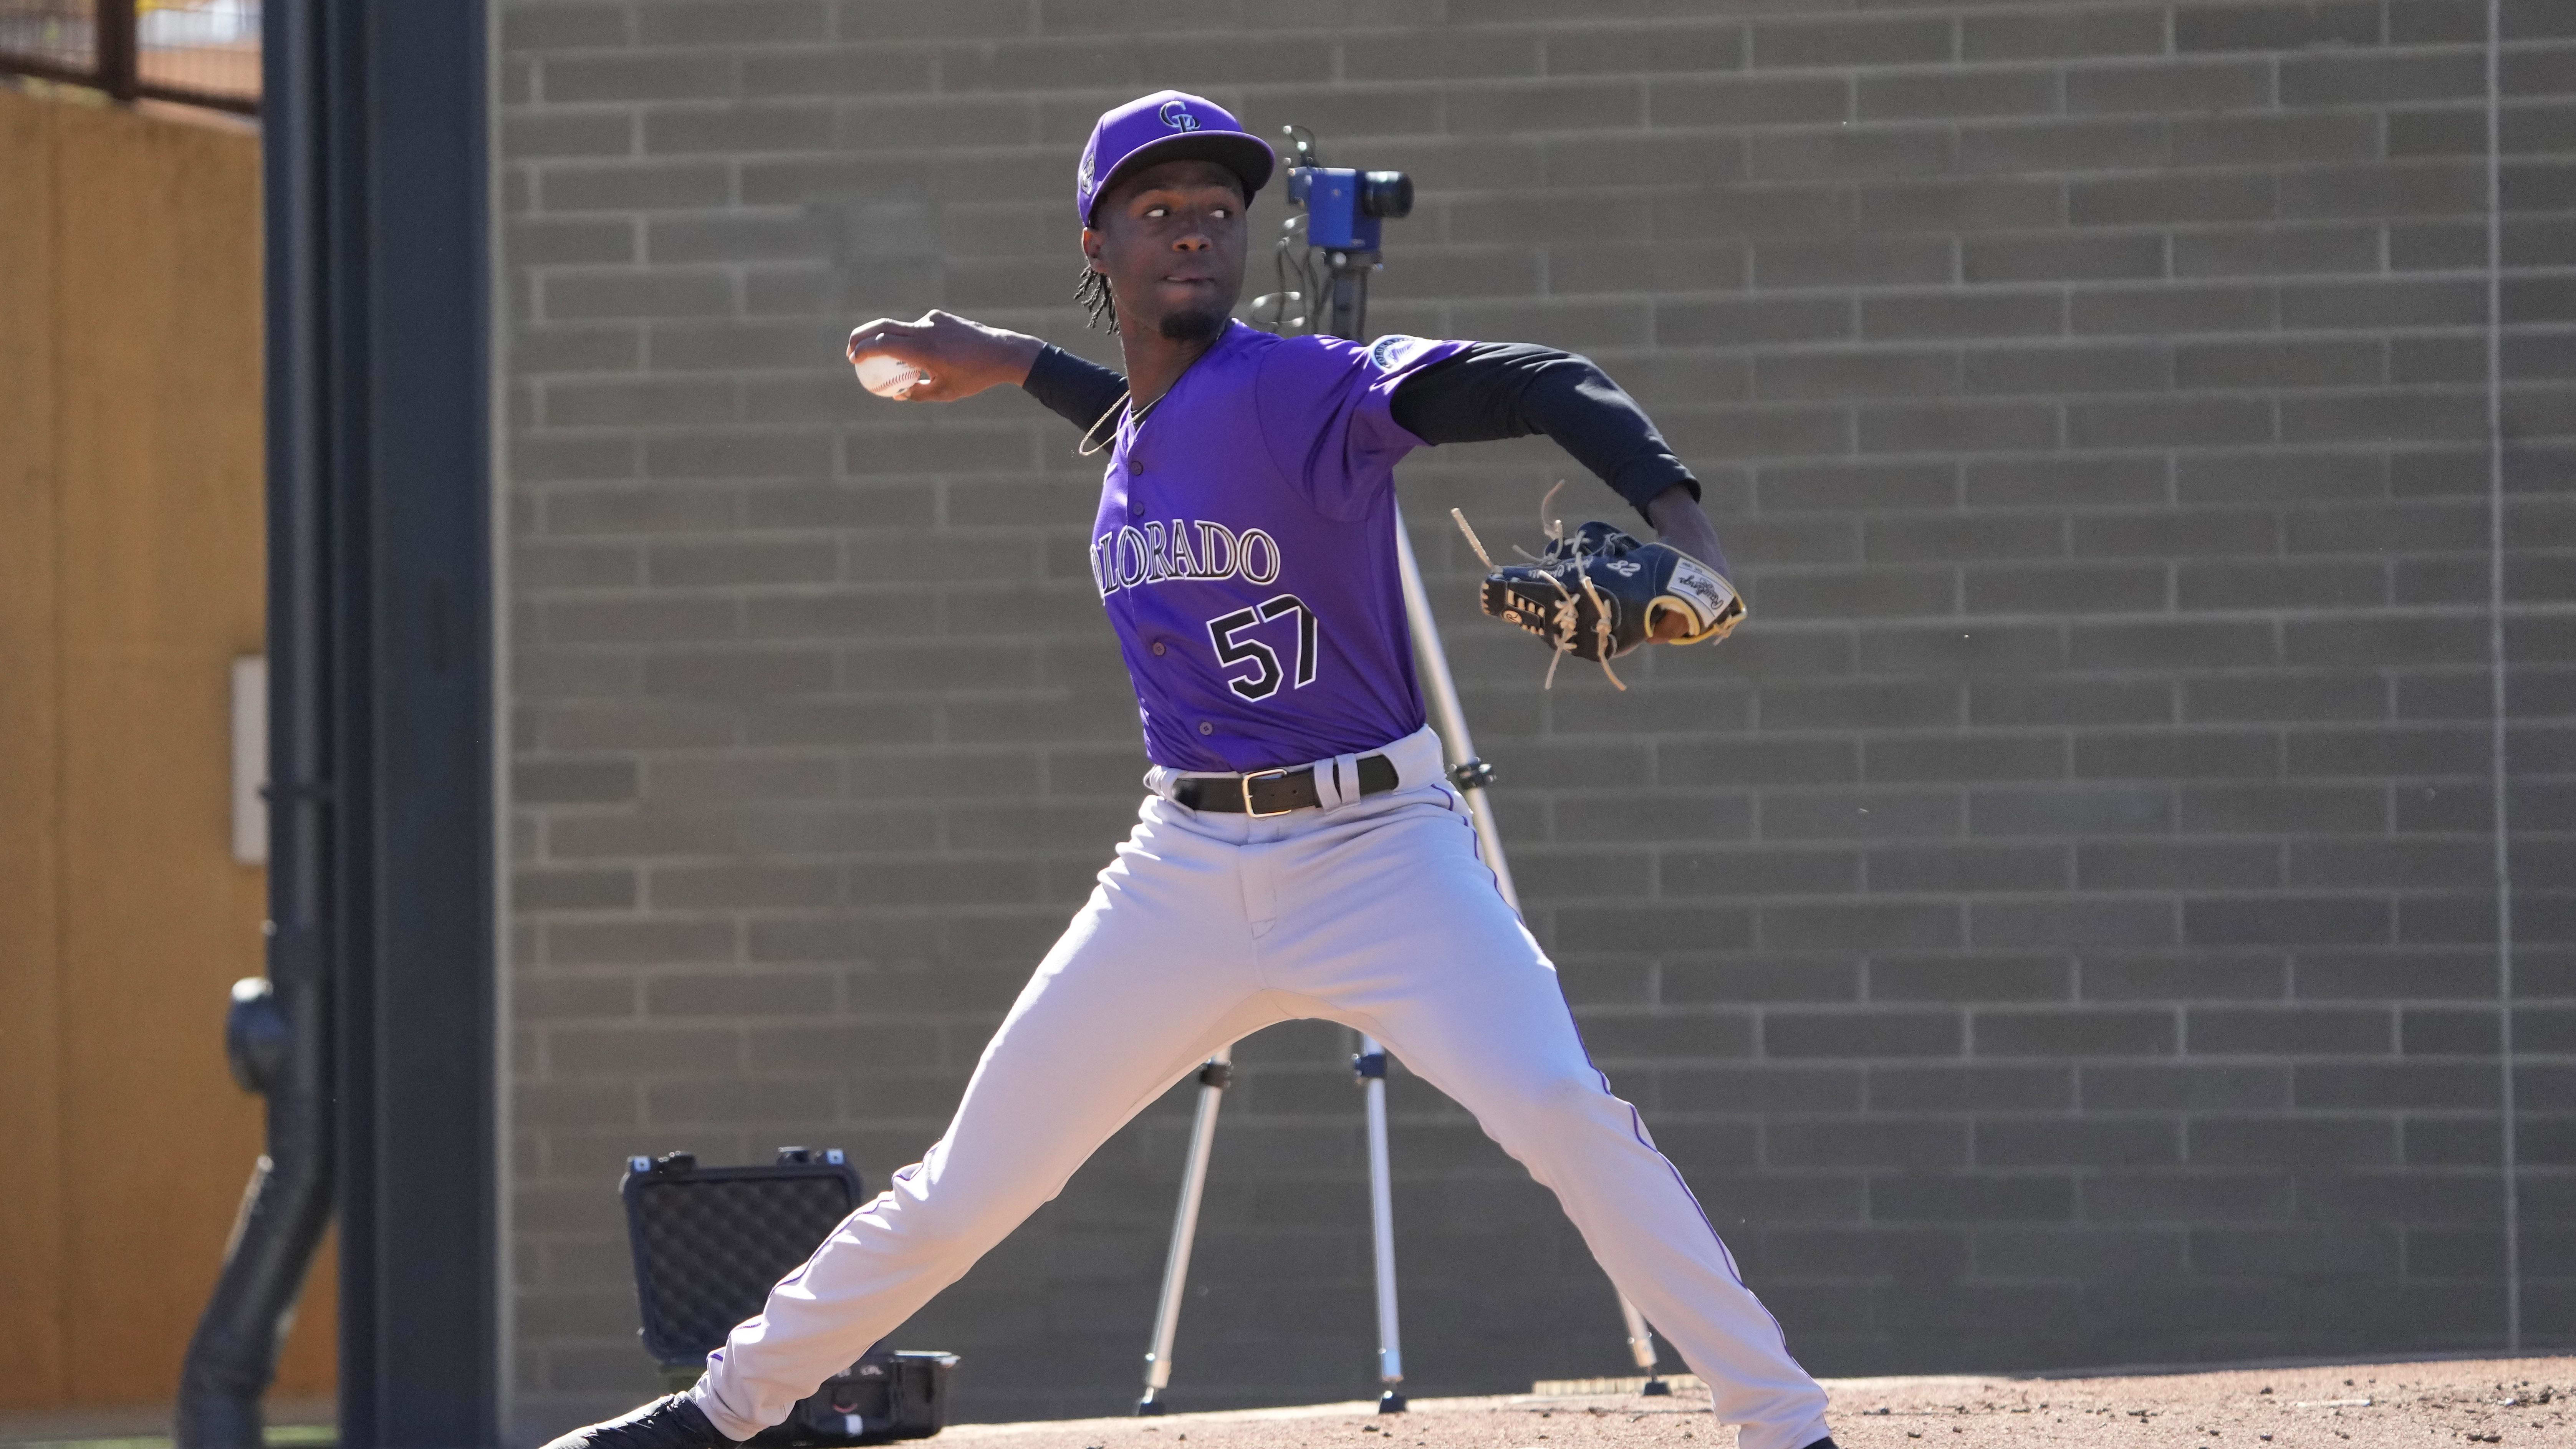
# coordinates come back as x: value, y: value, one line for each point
x: 1342, y: 218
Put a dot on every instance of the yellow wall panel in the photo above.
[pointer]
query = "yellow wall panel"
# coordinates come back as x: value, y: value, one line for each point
x: 156, y: 536
x: 32, y: 1325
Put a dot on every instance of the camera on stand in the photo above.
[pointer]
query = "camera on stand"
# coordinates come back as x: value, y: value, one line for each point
x: 1328, y: 248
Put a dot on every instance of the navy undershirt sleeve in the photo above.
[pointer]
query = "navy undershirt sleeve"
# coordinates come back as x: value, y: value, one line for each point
x: 1073, y: 388
x: 1496, y: 390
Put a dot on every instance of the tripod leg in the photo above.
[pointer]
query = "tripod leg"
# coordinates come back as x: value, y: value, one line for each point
x: 1370, y: 1065
x: 1448, y: 716
x: 1213, y: 1080
x: 1641, y: 1343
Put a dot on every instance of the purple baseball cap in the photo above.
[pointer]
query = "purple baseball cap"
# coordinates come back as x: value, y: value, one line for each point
x: 1168, y: 126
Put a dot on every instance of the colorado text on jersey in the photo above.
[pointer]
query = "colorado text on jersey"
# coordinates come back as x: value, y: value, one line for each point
x: 1157, y: 554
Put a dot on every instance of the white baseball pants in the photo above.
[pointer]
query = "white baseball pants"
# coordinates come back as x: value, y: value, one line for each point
x: 1374, y: 912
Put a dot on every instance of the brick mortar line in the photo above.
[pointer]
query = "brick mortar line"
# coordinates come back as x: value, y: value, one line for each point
x: 1051, y: 472
x: 543, y: 167
x: 1858, y: 290
x: 1881, y: 345
x: 1344, y: 39
x: 1611, y: 354
x: 1718, y: 469
x: 1713, y: 736
x: 1892, y: 519
x: 1575, y: 846
x: 789, y: 807
x: 1858, y: 293
x: 857, y: 431
x: 2367, y: 614
x: 2272, y: 392
x: 540, y: 167
x: 1889, y: 124
x: 1638, y: 26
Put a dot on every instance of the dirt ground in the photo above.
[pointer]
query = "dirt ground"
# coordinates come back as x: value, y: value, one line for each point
x: 2375, y: 1406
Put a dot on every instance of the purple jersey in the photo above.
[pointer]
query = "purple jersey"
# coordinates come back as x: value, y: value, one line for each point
x: 1245, y: 549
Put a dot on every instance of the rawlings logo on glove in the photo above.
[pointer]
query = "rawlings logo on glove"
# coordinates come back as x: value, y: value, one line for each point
x: 1598, y: 594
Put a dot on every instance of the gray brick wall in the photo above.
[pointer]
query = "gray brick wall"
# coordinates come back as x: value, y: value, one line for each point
x: 2059, y: 930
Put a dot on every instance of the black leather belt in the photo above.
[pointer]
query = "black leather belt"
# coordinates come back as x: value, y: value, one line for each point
x: 1274, y: 792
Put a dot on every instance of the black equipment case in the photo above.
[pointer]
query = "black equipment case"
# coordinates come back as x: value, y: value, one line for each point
x: 710, y: 1241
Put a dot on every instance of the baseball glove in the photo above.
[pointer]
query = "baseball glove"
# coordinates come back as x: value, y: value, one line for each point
x: 1598, y: 593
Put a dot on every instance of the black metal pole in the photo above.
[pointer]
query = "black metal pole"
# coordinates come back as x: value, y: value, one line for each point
x: 1346, y: 306
x: 420, y: 1355
x: 233, y: 1356
x: 112, y: 33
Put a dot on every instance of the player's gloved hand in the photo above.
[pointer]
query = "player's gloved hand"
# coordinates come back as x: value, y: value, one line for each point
x: 1598, y: 593
x: 957, y: 358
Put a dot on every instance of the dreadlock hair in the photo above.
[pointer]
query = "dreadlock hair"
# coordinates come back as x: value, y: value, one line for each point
x: 1092, y: 292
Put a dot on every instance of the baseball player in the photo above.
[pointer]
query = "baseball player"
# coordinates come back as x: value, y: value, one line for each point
x: 1299, y: 852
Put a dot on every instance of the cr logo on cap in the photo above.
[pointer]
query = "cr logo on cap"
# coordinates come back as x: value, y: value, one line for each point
x: 1178, y: 117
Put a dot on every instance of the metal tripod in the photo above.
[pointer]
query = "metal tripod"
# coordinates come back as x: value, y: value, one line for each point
x: 1347, y: 301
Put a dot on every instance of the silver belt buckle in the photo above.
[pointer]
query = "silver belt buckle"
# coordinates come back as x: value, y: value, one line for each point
x: 1247, y: 794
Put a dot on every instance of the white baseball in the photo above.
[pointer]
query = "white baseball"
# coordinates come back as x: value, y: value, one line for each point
x: 886, y: 376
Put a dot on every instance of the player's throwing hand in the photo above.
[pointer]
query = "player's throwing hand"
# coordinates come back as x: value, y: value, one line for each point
x: 956, y: 358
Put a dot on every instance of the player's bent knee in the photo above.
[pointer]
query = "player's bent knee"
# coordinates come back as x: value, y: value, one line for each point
x: 956, y: 1241
x: 940, y: 1224
x: 1551, y: 1102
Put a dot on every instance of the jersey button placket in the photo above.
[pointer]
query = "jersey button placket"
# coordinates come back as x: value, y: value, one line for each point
x: 1158, y: 648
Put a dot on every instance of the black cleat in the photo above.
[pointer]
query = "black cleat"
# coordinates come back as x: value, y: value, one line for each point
x: 669, y: 1422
